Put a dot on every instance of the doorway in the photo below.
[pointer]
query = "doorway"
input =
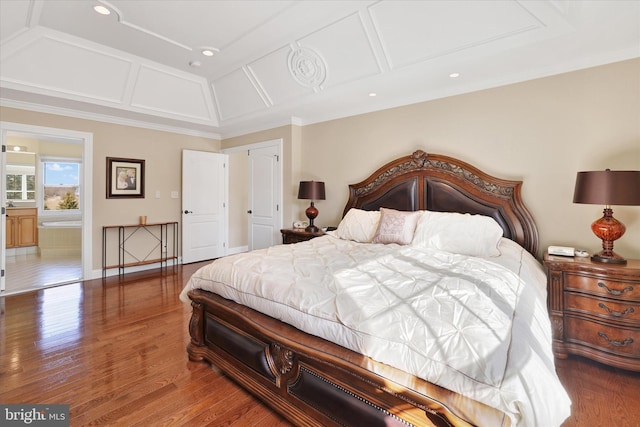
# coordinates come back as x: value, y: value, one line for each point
x: 241, y: 200
x: 29, y: 266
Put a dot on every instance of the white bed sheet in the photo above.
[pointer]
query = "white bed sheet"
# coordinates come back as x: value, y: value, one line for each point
x: 476, y: 326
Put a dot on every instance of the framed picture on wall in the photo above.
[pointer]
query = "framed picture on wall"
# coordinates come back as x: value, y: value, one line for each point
x: 125, y: 178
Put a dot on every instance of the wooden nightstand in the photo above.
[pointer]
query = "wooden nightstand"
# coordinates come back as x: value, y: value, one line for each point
x: 595, y: 310
x: 295, y: 235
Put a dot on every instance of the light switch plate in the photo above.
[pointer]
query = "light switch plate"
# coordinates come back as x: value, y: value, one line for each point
x: 174, y: 194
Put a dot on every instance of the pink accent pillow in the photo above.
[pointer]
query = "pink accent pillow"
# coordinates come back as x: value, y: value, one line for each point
x: 396, y: 226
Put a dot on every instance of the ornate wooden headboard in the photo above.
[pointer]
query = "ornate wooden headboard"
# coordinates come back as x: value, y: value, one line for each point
x: 440, y: 183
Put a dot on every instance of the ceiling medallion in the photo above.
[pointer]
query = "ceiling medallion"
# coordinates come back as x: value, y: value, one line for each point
x: 307, y: 67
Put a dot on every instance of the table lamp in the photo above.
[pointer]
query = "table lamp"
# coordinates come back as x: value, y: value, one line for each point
x: 608, y: 188
x: 311, y: 190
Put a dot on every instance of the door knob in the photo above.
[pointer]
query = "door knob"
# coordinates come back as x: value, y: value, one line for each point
x: 249, y: 211
x: 187, y: 212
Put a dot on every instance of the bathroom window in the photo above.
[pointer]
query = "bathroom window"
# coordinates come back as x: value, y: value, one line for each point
x: 20, y: 183
x: 60, y: 184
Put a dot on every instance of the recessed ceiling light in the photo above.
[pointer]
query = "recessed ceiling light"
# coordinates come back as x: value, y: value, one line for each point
x: 102, y: 10
x: 195, y: 63
x: 372, y: 94
x: 454, y: 75
x: 207, y: 52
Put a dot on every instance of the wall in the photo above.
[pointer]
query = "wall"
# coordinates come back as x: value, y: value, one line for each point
x: 238, y: 200
x: 160, y: 150
x: 541, y: 131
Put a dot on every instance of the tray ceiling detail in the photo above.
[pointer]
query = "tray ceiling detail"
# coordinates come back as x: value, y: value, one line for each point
x: 307, y: 67
x: 271, y: 61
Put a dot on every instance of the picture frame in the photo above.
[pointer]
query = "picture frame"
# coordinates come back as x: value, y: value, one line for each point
x: 125, y: 178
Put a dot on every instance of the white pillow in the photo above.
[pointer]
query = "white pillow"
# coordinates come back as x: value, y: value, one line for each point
x: 396, y: 226
x: 474, y: 235
x: 358, y: 225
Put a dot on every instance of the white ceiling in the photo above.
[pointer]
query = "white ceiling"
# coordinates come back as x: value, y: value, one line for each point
x: 283, y: 62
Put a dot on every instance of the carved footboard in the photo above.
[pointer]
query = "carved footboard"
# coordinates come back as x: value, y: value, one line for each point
x: 311, y: 381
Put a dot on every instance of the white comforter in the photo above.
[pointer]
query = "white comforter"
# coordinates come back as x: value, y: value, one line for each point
x: 476, y: 326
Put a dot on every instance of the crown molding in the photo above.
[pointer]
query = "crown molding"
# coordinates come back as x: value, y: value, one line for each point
x: 86, y: 115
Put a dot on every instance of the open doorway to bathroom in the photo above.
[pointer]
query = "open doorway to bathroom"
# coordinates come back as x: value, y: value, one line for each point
x: 45, y: 240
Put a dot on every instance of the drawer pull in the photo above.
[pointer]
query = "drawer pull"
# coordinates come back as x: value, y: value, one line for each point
x: 624, y: 343
x: 615, y: 291
x: 616, y: 313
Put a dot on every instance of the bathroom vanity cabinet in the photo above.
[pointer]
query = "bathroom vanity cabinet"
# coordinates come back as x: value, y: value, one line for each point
x: 22, y: 227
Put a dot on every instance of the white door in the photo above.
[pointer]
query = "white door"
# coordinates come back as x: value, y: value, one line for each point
x: 204, y: 201
x: 265, y: 217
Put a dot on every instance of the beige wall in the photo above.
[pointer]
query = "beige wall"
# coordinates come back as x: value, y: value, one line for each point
x: 542, y: 132
x: 162, y: 152
x: 238, y: 199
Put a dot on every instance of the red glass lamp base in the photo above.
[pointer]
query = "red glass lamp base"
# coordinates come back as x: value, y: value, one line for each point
x: 608, y: 229
x: 312, y: 213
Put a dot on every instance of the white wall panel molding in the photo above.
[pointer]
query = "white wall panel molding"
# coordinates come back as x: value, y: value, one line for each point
x: 26, y: 13
x: 366, y: 17
x: 268, y: 72
x: 317, y: 60
x: 341, y: 50
x: 434, y: 29
x: 173, y: 94
x: 346, y: 48
x: 51, y: 63
x: 237, y: 95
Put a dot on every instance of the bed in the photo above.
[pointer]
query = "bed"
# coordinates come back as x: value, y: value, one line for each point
x: 477, y: 346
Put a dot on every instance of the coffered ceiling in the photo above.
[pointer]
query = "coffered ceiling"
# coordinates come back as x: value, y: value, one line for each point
x: 279, y: 62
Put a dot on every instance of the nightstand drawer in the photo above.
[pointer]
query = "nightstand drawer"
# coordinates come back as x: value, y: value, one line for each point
x: 613, y: 339
x: 294, y: 238
x: 607, y: 288
x: 620, y: 311
x: 297, y: 235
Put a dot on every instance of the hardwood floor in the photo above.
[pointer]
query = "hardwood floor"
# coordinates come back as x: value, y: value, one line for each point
x: 114, y: 350
x: 600, y: 395
x: 27, y: 272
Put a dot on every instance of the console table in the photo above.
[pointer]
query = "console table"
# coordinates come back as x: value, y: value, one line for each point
x: 140, y: 244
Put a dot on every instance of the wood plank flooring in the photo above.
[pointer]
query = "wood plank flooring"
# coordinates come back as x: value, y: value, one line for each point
x: 114, y: 350
x: 30, y: 271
